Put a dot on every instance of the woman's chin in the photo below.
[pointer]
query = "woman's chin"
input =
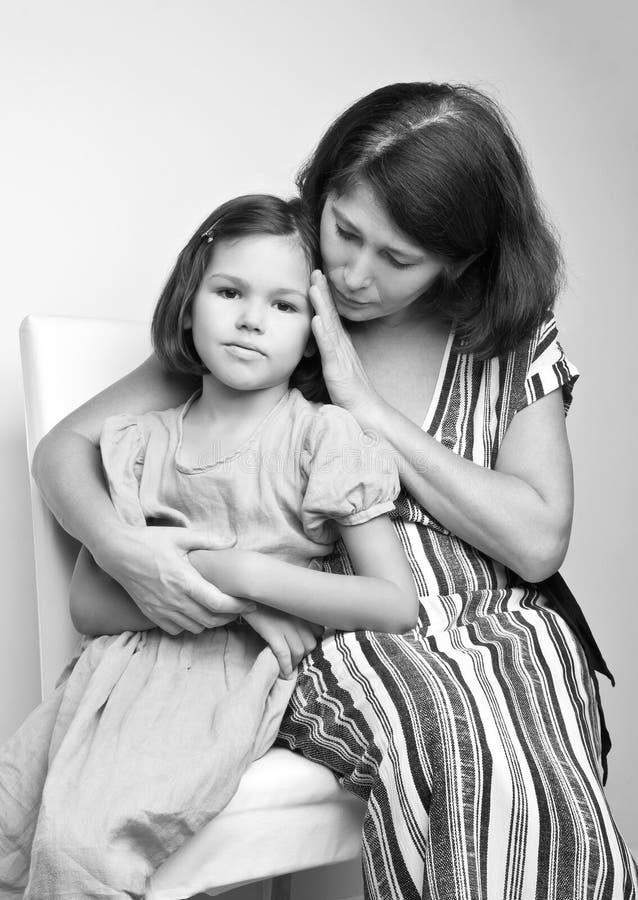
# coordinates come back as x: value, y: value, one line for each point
x: 353, y: 310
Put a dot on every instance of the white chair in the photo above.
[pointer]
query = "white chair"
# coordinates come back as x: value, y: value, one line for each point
x: 289, y: 814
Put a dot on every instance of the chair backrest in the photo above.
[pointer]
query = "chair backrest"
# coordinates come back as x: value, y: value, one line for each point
x: 65, y: 361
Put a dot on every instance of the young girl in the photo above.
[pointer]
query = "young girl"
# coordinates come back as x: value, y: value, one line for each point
x: 149, y: 734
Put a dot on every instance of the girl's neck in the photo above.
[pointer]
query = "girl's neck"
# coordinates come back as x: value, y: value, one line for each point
x: 227, y: 408
x: 222, y: 420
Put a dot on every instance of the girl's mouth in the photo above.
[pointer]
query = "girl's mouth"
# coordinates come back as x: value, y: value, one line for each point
x: 244, y: 351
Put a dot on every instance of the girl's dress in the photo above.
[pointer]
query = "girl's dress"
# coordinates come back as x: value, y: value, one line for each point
x: 147, y: 735
x: 475, y: 738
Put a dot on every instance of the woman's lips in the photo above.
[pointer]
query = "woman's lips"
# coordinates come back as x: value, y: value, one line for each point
x: 345, y: 299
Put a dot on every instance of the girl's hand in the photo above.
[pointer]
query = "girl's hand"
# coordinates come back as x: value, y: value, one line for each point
x: 289, y: 637
x: 344, y: 375
x: 152, y: 565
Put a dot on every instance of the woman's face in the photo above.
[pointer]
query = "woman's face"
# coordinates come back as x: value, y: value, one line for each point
x: 374, y: 270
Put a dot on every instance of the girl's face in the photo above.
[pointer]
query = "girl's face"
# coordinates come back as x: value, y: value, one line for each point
x: 374, y: 270
x: 251, y: 314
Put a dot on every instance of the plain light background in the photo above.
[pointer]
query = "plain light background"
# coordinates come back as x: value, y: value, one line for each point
x: 124, y: 124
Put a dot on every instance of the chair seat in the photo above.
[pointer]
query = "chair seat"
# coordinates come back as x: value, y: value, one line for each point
x: 288, y: 814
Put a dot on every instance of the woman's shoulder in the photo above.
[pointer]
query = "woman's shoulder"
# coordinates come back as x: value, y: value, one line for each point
x: 537, y: 366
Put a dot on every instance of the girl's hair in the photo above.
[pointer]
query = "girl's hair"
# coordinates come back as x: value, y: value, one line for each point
x: 443, y: 161
x: 247, y: 216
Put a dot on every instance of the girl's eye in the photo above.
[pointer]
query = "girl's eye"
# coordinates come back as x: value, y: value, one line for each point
x: 345, y: 235
x: 283, y: 306
x: 228, y: 293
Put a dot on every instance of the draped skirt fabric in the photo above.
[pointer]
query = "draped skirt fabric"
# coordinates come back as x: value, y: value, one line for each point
x: 143, y: 742
x: 475, y: 740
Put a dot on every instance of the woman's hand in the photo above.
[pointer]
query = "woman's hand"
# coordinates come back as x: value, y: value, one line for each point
x: 344, y: 375
x: 289, y: 637
x: 152, y: 565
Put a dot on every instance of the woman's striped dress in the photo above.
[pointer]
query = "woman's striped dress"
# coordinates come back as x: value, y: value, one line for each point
x: 475, y: 738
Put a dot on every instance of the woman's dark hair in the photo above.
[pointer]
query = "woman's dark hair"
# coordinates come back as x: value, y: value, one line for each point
x: 444, y: 163
x: 247, y: 216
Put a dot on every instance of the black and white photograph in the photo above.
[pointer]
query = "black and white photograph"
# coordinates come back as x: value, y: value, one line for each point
x: 319, y: 434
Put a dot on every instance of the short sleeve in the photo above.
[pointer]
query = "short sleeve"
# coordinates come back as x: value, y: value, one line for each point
x: 548, y: 367
x: 350, y: 479
x: 122, y: 447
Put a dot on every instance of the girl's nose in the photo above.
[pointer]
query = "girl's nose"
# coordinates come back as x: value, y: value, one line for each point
x: 251, y: 316
x: 356, y: 272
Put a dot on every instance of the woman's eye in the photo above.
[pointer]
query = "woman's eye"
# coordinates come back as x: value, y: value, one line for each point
x: 228, y: 293
x: 345, y: 235
x: 395, y: 262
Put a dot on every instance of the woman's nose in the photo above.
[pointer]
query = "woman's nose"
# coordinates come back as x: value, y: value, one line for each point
x: 356, y: 272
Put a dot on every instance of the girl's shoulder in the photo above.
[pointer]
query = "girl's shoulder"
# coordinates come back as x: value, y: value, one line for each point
x: 322, y: 423
x: 138, y: 428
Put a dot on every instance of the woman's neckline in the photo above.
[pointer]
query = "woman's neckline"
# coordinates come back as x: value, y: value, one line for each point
x: 370, y: 348
x: 443, y: 368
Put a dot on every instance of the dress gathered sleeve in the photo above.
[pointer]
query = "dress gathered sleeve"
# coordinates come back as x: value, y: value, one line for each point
x: 350, y: 479
x: 548, y: 367
x: 122, y: 447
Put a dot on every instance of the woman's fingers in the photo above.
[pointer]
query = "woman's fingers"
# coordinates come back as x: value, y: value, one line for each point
x: 213, y: 601
x: 197, y: 539
x: 177, y: 623
x: 322, y: 302
x: 152, y: 565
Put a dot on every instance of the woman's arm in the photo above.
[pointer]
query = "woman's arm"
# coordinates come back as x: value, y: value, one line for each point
x: 99, y: 605
x: 519, y: 513
x: 66, y: 463
x: 150, y: 563
x: 380, y: 597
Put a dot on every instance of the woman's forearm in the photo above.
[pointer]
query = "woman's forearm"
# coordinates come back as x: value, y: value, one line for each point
x: 520, y: 516
x: 66, y: 463
x: 68, y: 471
x: 347, y: 602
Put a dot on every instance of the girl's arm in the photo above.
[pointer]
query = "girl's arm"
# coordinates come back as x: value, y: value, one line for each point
x: 150, y: 563
x: 519, y: 513
x: 380, y: 597
x: 98, y: 604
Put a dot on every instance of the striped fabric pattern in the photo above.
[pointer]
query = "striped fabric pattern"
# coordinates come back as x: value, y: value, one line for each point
x: 474, y: 738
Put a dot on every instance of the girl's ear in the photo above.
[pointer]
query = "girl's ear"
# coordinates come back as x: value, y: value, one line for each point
x: 188, y: 320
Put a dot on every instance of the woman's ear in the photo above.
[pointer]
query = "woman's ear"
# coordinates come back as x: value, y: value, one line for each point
x: 457, y: 269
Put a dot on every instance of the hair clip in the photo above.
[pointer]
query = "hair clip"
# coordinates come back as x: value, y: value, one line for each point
x: 209, y: 234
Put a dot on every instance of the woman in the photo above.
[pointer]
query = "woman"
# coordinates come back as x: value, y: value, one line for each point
x: 475, y: 738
